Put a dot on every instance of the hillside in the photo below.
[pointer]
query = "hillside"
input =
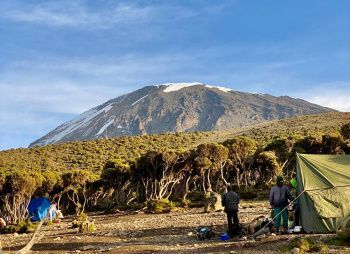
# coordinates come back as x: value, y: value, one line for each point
x: 177, y: 107
x: 92, y: 155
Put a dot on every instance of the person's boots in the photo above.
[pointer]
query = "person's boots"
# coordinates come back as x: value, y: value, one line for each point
x: 284, y: 230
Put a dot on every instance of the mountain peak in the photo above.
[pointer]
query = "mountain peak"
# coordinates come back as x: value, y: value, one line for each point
x: 176, y: 107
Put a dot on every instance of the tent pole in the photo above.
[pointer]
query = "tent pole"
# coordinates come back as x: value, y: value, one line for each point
x: 281, y: 211
x: 298, y: 197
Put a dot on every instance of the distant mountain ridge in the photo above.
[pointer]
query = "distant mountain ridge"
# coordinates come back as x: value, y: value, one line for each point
x: 177, y: 107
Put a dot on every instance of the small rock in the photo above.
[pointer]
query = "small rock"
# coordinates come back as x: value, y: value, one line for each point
x: 295, y: 251
x: 87, y: 247
x: 259, y: 237
x: 195, y: 245
x: 233, y: 252
x: 273, y: 234
x: 190, y: 234
x: 244, y: 238
x: 57, y: 238
x: 15, y: 234
x: 177, y: 245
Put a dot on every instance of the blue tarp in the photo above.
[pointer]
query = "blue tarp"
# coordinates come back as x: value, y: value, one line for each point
x: 38, y: 208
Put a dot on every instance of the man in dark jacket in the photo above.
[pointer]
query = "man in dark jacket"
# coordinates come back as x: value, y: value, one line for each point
x: 230, y: 201
x: 279, y: 199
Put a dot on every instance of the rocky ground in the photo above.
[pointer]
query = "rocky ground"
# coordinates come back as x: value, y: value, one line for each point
x: 154, y: 233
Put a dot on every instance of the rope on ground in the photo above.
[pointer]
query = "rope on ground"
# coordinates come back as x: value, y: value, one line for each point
x: 32, y: 241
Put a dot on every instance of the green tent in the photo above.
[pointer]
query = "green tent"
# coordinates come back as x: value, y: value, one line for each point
x: 325, y: 180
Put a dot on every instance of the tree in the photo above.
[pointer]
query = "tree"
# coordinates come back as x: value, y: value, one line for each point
x: 332, y: 143
x: 210, y: 159
x: 266, y: 166
x: 283, y: 149
x: 75, y: 187
x: 345, y: 131
x: 17, y: 191
x: 241, y: 153
x: 159, y: 173
x: 116, y: 178
x: 311, y: 144
x: 188, y: 175
x: 50, y: 180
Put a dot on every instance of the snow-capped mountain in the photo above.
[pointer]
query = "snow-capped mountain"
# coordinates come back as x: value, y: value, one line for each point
x: 175, y: 107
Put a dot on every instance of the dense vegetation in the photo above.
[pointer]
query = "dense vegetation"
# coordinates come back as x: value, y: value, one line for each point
x: 133, y: 171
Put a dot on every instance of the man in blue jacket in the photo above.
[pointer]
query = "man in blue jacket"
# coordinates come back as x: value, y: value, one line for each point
x: 279, y: 199
x: 230, y: 201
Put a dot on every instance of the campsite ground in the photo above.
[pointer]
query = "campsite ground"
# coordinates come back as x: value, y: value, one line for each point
x: 154, y: 233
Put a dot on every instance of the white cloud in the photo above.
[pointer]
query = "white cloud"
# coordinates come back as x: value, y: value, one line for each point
x: 53, y: 97
x: 80, y: 14
x: 334, y: 95
x: 338, y: 100
x: 76, y: 13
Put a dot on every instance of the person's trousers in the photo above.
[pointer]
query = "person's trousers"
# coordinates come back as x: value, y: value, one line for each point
x: 232, y: 222
x: 277, y: 219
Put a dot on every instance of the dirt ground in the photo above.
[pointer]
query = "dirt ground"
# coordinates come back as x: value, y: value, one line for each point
x: 154, y: 233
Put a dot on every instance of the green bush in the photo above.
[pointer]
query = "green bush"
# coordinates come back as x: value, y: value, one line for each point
x: 306, y: 245
x: 23, y: 227
x: 185, y: 203
x: 160, y: 206
x: 84, y: 224
x: 83, y: 217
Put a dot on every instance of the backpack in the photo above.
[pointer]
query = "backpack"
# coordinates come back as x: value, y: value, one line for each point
x: 205, y: 233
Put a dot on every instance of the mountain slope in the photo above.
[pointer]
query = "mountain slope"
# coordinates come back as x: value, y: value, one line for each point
x: 93, y: 154
x: 177, y: 107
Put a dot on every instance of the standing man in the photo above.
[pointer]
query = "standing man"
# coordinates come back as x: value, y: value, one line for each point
x: 279, y: 196
x: 230, y: 201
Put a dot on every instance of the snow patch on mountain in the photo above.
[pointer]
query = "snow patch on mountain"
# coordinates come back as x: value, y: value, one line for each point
x: 104, y: 127
x: 139, y: 100
x: 171, y: 87
x: 76, y: 123
x: 221, y: 88
x: 261, y: 94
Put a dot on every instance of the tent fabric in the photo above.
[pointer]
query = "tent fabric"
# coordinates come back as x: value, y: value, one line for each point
x: 325, y: 180
x: 38, y: 208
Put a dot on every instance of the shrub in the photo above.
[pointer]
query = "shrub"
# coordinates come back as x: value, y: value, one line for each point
x: 160, y: 206
x: 23, y: 227
x: 306, y: 245
x: 84, y: 224
x: 185, y: 202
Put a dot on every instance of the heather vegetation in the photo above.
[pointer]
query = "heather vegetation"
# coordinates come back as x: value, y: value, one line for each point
x: 158, y: 170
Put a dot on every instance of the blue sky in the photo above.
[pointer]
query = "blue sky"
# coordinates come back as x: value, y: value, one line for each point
x: 60, y: 58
